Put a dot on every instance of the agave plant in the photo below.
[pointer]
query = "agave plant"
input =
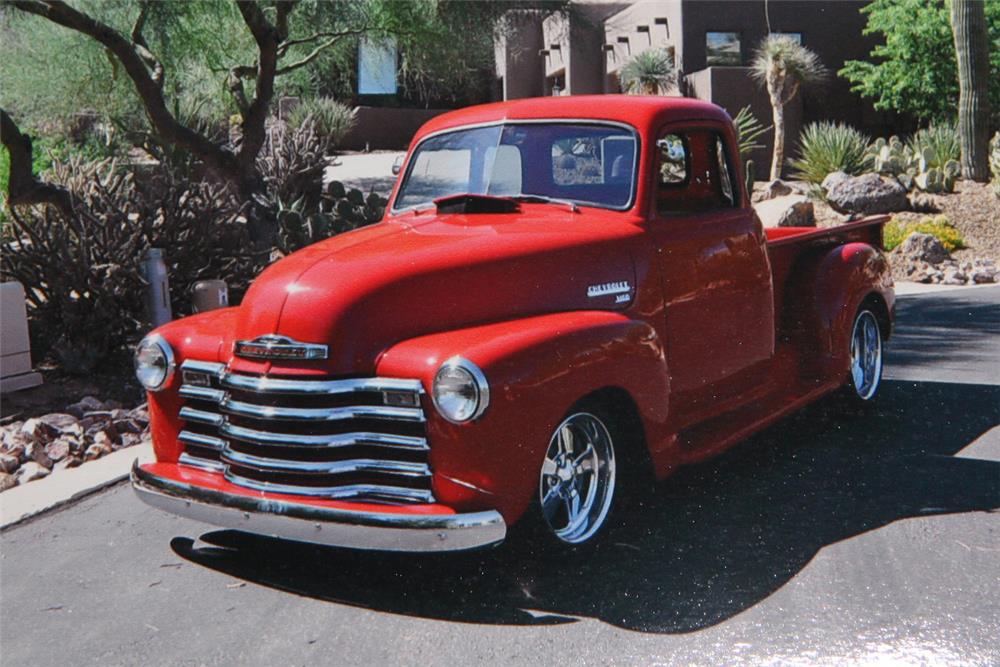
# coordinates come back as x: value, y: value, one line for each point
x: 828, y: 147
x: 784, y: 65
x: 649, y: 73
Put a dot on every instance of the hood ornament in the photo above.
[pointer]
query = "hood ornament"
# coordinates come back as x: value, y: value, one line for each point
x: 273, y: 346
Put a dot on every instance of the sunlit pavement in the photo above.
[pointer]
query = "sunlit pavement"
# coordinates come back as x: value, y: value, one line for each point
x: 825, y: 540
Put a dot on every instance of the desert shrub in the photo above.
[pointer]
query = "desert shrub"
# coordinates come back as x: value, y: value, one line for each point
x: 939, y: 227
x: 828, y: 147
x: 939, y: 143
x: 332, y: 119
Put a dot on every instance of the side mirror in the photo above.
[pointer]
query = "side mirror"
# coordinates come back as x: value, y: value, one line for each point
x: 397, y: 165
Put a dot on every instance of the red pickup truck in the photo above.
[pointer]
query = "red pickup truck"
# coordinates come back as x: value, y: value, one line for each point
x: 563, y: 291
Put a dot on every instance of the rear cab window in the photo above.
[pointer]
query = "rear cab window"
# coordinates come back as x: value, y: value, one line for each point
x: 694, y: 173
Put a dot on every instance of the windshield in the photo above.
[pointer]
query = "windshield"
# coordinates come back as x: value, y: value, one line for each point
x: 589, y: 164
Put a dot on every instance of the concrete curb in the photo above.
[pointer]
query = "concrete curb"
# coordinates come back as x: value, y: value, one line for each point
x: 906, y: 288
x: 66, y: 486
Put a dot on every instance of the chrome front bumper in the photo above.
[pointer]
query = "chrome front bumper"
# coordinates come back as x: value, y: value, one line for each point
x: 320, y: 525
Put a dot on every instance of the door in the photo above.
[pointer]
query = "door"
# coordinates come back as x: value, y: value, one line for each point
x: 715, y: 275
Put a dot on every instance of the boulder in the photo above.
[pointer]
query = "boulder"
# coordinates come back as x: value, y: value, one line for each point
x: 984, y: 271
x: 85, y: 405
x: 787, y: 211
x: 868, y: 194
x: 833, y: 179
x: 7, y: 481
x: 777, y: 188
x: 924, y: 248
x: 96, y: 451
x: 31, y: 471
x: 60, y: 448
x: 9, y: 464
x: 35, y: 451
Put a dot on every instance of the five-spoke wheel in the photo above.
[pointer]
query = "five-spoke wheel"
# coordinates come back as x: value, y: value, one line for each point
x: 866, y: 356
x: 577, y: 480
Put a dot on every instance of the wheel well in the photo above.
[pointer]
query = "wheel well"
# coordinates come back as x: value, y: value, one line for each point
x: 620, y: 405
x: 881, y: 310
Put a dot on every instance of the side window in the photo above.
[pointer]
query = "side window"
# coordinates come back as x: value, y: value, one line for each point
x: 673, y: 160
x: 694, y: 173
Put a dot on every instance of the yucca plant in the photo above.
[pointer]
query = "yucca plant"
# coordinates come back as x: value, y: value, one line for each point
x: 648, y: 73
x: 942, y: 142
x: 828, y: 147
x: 783, y: 66
x: 748, y: 130
x: 330, y: 118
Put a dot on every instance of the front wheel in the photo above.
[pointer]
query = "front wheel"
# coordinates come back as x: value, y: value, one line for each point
x: 577, y: 480
x: 866, y: 359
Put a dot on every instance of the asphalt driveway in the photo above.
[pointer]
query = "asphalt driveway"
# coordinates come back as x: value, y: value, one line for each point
x: 823, y: 540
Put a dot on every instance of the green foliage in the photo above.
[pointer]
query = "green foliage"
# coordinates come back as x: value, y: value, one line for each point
x: 648, y: 73
x: 914, y: 70
x: 938, y: 143
x: 331, y: 118
x: 788, y: 59
x: 828, y: 147
x: 748, y: 130
x: 939, y: 227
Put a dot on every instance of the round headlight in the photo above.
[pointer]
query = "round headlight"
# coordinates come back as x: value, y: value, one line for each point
x: 154, y: 362
x: 461, y: 392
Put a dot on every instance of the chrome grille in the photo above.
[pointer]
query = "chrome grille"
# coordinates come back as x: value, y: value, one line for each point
x: 335, y: 439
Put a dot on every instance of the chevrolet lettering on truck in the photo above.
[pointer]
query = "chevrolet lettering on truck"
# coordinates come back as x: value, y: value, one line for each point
x: 565, y: 294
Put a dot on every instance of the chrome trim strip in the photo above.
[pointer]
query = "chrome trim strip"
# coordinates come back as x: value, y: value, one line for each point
x: 200, y: 416
x: 207, y: 367
x: 266, y: 385
x: 390, y: 531
x: 201, y: 393
x: 482, y: 388
x: 339, y: 440
x: 201, y: 440
x: 198, y: 462
x: 320, y: 414
x: 339, y: 492
x: 266, y: 464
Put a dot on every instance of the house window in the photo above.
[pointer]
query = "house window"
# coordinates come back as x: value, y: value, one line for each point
x: 794, y: 36
x: 377, y: 67
x: 722, y: 49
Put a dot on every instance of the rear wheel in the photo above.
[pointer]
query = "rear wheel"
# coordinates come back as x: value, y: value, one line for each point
x: 866, y: 359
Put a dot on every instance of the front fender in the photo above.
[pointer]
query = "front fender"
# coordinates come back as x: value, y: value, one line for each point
x: 537, y: 368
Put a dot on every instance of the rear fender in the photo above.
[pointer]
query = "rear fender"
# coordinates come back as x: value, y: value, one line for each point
x: 537, y: 368
x: 823, y: 306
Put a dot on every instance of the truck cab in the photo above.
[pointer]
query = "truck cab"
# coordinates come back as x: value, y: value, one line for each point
x: 565, y: 293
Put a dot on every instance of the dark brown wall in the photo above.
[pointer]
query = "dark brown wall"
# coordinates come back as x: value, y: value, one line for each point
x: 383, y: 128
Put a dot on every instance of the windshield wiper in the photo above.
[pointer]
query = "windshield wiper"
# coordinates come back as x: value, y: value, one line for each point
x: 542, y: 199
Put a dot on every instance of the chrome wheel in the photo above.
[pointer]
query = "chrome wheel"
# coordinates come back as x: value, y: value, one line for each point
x: 866, y: 355
x: 578, y: 478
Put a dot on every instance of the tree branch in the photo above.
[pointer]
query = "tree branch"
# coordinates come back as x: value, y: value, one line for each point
x: 217, y: 158
x: 23, y: 188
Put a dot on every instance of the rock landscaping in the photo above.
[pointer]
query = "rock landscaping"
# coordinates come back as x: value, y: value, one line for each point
x: 87, y: 430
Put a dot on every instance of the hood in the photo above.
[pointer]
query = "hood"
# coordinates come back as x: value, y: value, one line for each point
x: 363, y: 291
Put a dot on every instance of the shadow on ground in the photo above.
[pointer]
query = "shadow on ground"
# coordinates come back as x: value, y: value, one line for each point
x: 712, y: 541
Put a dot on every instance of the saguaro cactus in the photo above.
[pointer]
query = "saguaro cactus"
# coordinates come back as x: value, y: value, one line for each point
x: 968, y: 25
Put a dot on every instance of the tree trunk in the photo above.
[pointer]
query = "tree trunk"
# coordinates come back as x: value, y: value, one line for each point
x: 968, y: 24
x: 778, y: 156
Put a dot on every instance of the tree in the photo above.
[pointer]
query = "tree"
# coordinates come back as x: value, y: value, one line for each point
x: 784, y: 65
x: 968, y: 21
x: 913, y: 69
x: 278, y: 52
x: 648, y: 73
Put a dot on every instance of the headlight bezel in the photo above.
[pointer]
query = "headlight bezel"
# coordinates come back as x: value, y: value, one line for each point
x: 477, y: 381
x: 160, y: 343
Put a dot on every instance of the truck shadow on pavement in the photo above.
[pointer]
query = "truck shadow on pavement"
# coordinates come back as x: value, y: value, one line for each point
x: 712, y: 541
